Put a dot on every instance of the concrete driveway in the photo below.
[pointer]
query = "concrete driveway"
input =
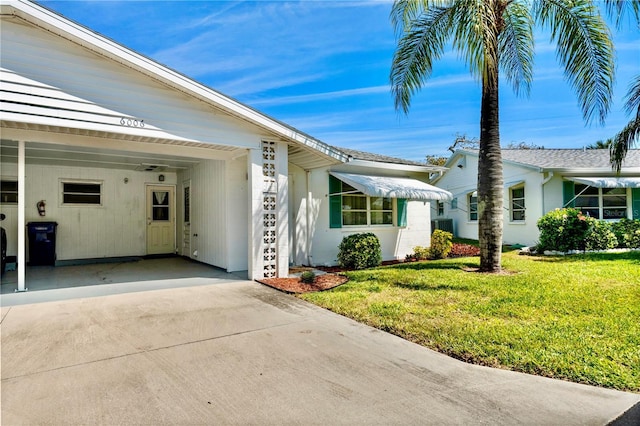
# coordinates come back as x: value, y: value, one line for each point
x: 242, y: 353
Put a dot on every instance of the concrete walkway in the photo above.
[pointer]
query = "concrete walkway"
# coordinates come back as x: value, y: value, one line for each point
x: 242, y: 353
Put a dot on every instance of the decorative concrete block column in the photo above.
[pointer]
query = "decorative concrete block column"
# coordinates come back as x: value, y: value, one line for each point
x: 268, y: 228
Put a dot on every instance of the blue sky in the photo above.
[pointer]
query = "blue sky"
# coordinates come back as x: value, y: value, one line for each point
x: 323, y: 67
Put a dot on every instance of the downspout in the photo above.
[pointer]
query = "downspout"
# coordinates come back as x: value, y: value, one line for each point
x: 309, y: 201
x: 544, y: 182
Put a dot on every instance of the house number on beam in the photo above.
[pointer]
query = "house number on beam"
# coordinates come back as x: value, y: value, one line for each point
x: 131, y: 122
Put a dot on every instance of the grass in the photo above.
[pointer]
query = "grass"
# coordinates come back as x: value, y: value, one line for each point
x: 575, y: 318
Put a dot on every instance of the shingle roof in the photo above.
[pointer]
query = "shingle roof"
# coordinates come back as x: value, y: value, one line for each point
x: 567, y: 158
x: 368, y: 156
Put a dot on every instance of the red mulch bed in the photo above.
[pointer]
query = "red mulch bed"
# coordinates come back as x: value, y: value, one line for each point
x: 464, y: 250
x: 333, y: 278
x: 294, y: 285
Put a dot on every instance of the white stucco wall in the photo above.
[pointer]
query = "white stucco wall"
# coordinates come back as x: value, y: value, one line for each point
x: 461, y: 181
x: 322, y: 248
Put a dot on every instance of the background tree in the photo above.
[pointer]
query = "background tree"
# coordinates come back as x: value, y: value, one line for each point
x: 600, y: 144
x: 436, y: 160
x: 522, y: 145
x: 495, y: 36
x: 463, y: 142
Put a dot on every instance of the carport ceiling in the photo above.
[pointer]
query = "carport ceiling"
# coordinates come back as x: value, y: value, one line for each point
x: 62, y: 155
x: 78, y: 156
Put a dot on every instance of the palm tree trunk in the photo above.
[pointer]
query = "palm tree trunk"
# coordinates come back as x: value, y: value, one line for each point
x: 490, y: 180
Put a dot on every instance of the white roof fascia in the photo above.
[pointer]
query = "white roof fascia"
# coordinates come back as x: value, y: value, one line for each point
x: 454, y: 157
x: 462, y: 152
x: 475, y: 154
x: 394, y: 166
x: 560, y: 170
x: 57, y: 24
x: 634, y: 171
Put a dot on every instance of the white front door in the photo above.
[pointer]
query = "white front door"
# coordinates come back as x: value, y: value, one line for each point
x: 161, y: 219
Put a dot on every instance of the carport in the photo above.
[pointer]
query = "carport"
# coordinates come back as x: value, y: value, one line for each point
x: 129, y: 174
x: 49, y: 283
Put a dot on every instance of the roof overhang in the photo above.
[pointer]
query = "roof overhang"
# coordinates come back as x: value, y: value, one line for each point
x: 607, y: 182
x: 393, y: 187
x: 51, y: 21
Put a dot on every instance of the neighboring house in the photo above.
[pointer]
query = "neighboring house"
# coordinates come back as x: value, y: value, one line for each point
x: 131, y: 158
x: 537, y: 181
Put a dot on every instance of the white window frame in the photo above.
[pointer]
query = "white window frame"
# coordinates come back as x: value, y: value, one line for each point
x: 81, y: 182
x: 3, y: 193
x: 368, y: 210
x: 439, y: 208
x: 470, y: 203
x: 515, y: 207
x: 579, y: 190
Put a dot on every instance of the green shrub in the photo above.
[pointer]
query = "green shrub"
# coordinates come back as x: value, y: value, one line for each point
x: 441, y: 243
x: 308, y: 277
x: 563, y: 230
x: 627, y: 232
x: 421, y: 253
x: 600, y: 236
x: 360, y: 251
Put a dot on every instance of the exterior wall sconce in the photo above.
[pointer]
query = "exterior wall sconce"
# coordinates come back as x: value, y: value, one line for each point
x: 161, y: 178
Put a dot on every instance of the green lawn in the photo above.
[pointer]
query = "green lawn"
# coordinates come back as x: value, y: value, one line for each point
x: 575, y: 318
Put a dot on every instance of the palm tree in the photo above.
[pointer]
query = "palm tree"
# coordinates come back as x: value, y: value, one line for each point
x: 495, y: 36
x: 600, y: 144
x: 628, y: 136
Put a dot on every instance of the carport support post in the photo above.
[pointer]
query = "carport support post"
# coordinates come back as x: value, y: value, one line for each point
x: 21, y: 258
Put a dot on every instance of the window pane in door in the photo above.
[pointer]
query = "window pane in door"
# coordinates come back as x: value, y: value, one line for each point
x: 187, y: 204
x: 160, y: 206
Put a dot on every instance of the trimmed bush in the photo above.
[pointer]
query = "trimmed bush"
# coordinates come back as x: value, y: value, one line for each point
x: 627, y: 233
x: 308, y: 277
x: 360, y: 251
x: 421, y: 253
x: 441, y: 243
x: 563, y: 230
x: 600, y: 236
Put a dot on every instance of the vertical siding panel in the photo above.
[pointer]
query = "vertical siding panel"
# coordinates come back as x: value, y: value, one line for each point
x: 237, y: 216
x: 208, y: 207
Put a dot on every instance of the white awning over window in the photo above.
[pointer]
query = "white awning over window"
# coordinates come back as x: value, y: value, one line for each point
x: 608, y: 182
x: 393, y: 187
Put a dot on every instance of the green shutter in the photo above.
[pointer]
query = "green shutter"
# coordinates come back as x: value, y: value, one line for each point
x: 635, y: 203
x: 568, y: 194
x: 335, y: 202
x: 402, y: 212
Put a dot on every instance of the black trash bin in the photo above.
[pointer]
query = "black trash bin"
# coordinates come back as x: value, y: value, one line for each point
x: 42, y: 243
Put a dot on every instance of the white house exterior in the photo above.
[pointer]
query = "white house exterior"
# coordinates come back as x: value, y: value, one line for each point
x: 537, y: 181
x: 131, y: 158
